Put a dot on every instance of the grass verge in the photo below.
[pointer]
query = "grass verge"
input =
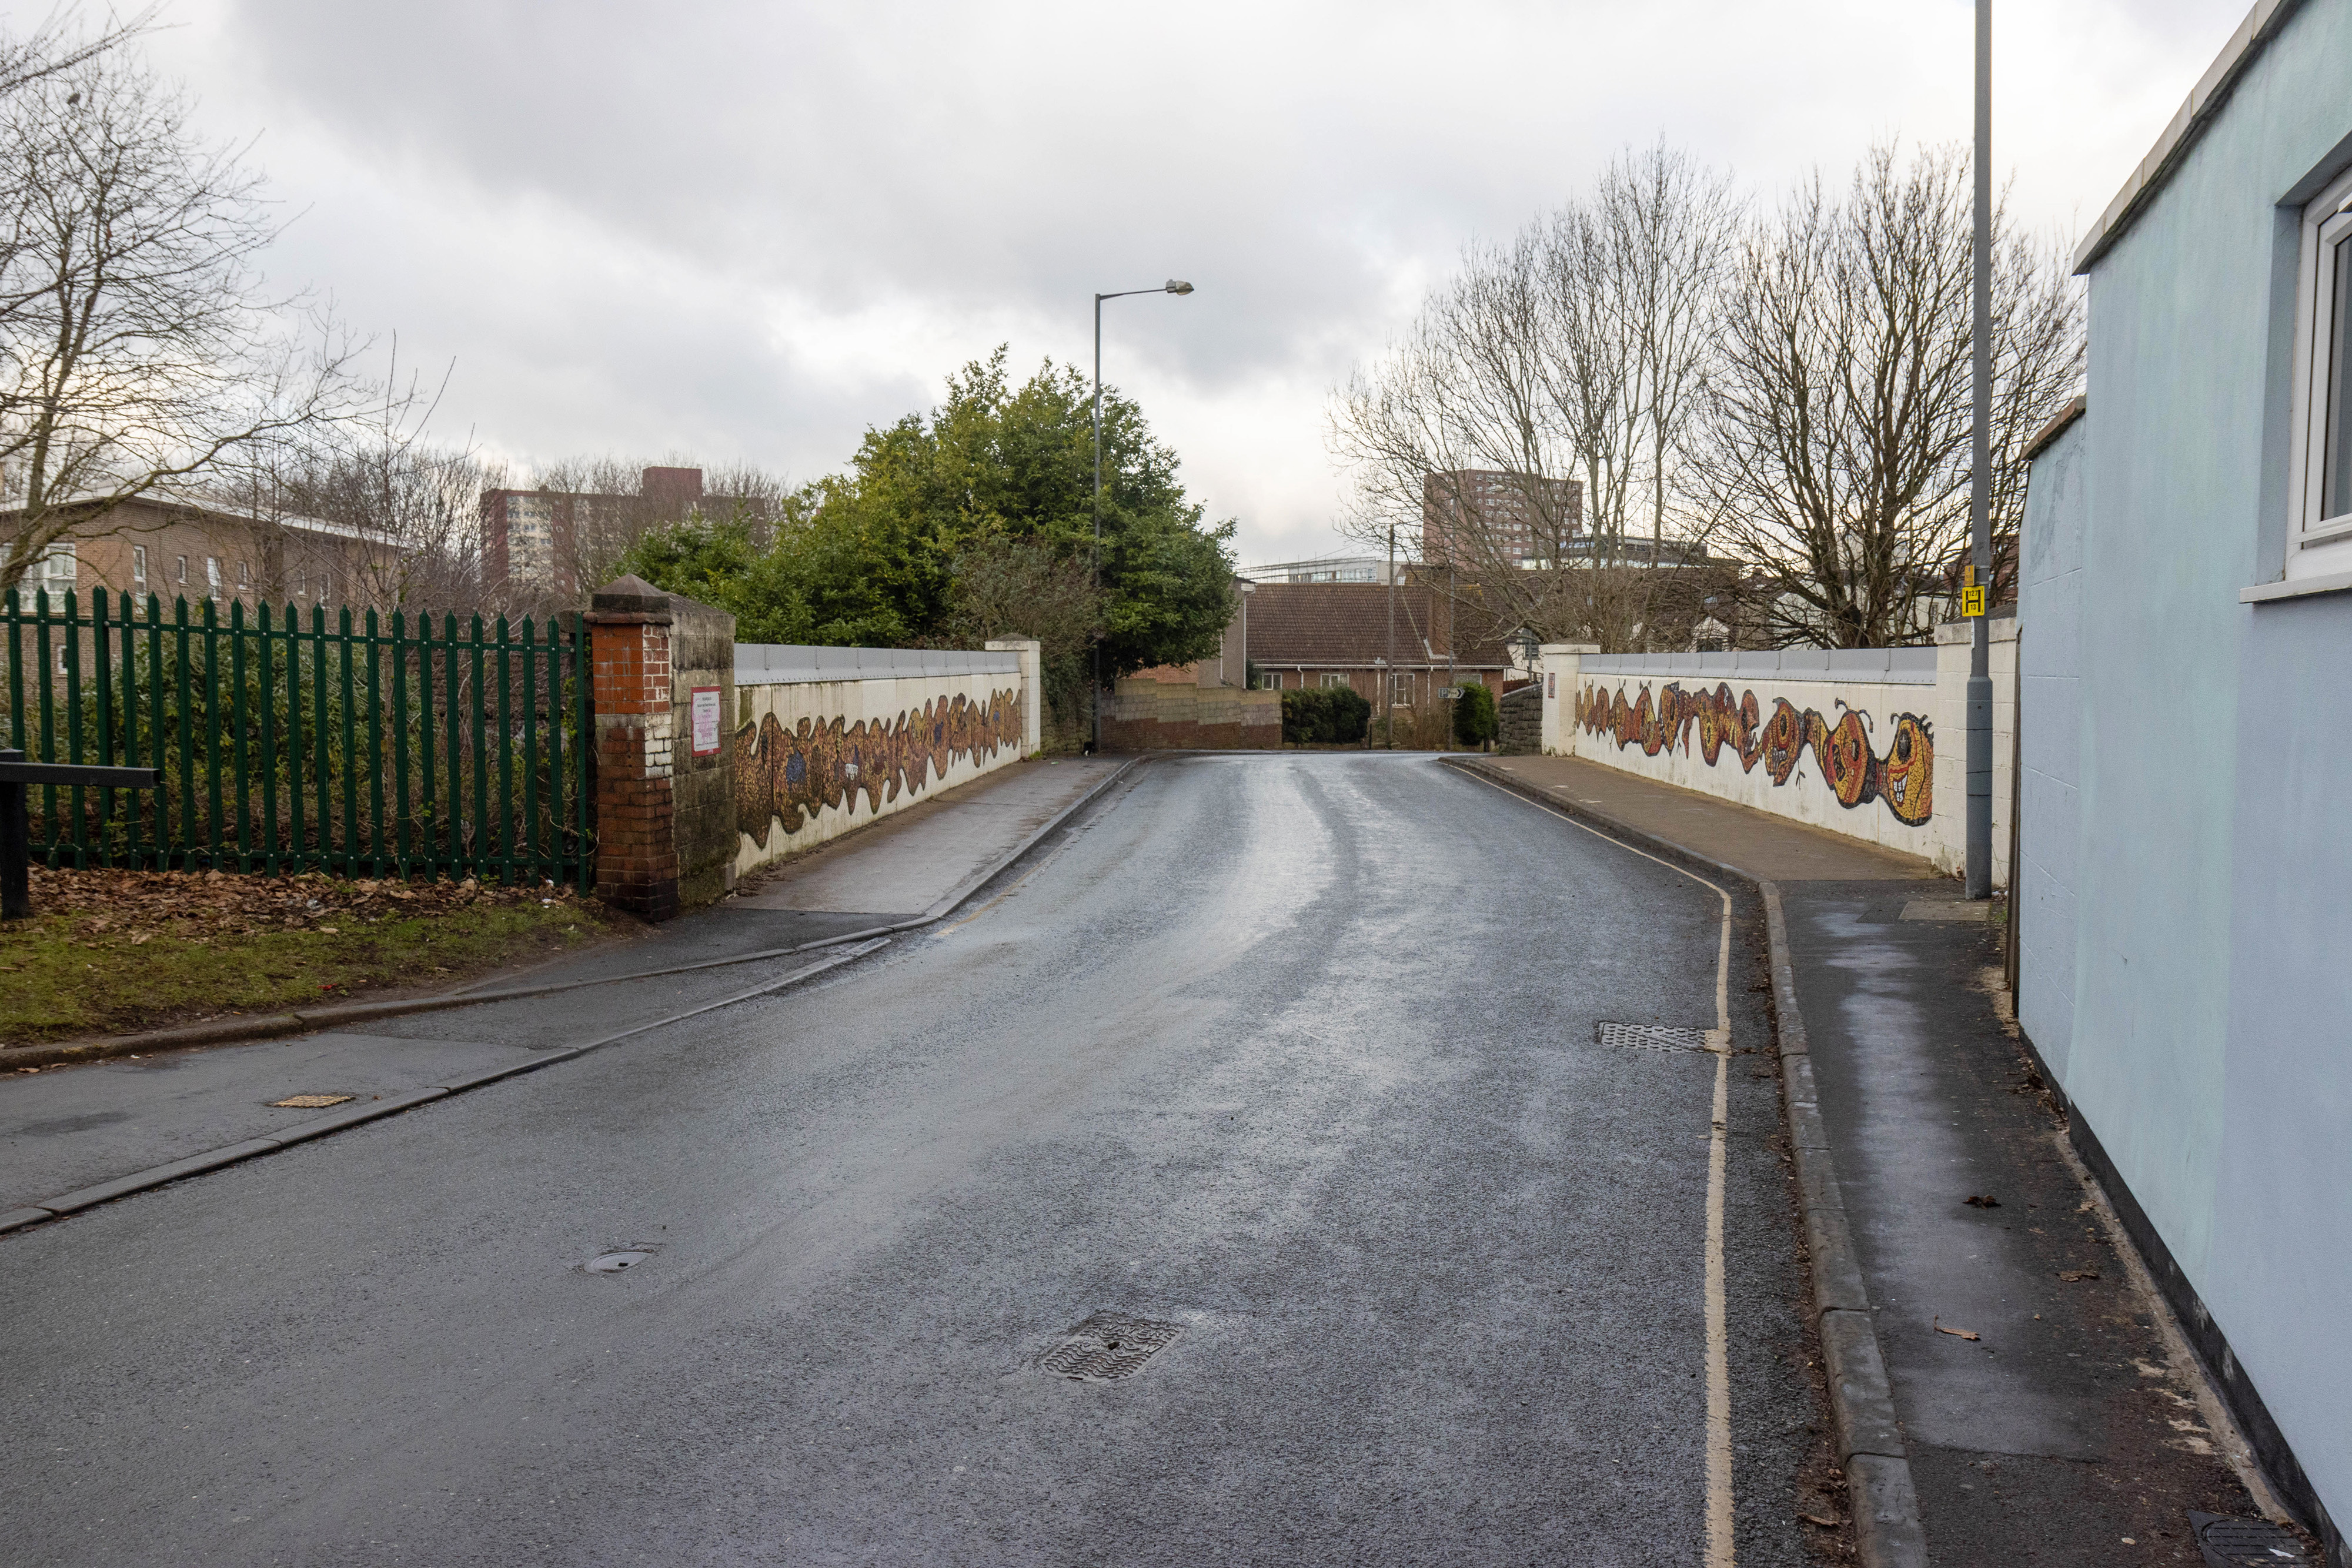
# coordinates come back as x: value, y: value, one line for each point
x: 120, y: 952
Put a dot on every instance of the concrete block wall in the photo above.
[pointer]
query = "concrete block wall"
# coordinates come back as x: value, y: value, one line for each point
x: 1153, y: 716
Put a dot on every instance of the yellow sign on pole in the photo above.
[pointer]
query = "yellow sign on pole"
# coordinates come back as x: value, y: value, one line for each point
x: 1972, y: 600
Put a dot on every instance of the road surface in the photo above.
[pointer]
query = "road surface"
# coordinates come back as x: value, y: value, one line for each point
x: 1292, y: 1054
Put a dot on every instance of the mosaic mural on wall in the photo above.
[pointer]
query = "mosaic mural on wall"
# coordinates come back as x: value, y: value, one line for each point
x: 788, y: 775
x: 1904, y: 778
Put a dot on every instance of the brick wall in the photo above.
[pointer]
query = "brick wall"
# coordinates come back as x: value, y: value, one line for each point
x: 662, y: 829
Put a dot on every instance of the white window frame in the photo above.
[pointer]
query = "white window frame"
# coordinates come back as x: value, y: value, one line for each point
x: 139, y: 565
x: 2316, y: 546
x: 1333, y: 678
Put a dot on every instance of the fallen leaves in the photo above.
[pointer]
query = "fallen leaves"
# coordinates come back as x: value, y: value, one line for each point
x: 114, y: 907
x: 2076, y: 1276
x: 1981, y: 1200
x: 1830, y: 1523
x: 1956, y: 1334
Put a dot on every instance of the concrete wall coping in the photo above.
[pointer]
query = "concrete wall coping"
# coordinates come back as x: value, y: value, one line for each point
x: 1885, y: 666
x: 792, y: 664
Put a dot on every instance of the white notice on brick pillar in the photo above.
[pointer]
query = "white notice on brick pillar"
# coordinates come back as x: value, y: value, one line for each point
x: 706, y: 721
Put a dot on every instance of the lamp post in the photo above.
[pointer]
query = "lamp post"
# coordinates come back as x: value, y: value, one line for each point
x: 1978, y: 863
x: 1094, y: 561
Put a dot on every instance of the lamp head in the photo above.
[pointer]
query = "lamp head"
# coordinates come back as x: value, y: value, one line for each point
x: 1177, y: 285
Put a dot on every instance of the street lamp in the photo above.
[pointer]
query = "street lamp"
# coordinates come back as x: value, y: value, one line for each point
x: 1094, y: 561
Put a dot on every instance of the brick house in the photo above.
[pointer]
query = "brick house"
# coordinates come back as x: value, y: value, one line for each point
x: 1336, y: 634
x: 176, y: 549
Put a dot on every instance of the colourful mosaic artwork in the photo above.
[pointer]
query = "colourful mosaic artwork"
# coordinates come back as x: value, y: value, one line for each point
x: 786, y: 775
x: 1904, y: 778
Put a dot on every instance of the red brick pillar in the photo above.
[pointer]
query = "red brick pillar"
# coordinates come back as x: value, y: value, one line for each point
x: 636, y: 836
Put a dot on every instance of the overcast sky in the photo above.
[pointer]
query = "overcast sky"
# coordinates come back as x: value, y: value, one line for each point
x: 749, y: 231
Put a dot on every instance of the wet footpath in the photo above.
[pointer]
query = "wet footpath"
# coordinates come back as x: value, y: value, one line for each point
x: 2052, y: 1411
x: 77, y: 1135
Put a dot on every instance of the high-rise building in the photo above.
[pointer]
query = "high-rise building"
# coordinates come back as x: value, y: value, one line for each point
x: 535, y: 540
x: 1486, y: 517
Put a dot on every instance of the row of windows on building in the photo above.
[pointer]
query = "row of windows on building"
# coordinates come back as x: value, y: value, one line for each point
x: 59, y: 568
x: 1402, y: 682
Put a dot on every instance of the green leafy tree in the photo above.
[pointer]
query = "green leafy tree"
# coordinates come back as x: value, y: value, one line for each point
x: 1475, y: 719
x: 976, y: 516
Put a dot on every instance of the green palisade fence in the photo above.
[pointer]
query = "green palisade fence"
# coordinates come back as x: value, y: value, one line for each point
x: 388, y: 748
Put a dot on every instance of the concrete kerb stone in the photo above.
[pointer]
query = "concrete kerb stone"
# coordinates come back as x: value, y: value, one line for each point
x: 272, y: 1026
x: 1870, y: 1451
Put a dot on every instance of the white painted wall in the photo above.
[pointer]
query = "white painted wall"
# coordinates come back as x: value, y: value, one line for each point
x: 779, y: 682
x: 1879, y: 683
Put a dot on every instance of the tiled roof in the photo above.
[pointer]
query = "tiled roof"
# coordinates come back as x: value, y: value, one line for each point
x: 1346, y: 625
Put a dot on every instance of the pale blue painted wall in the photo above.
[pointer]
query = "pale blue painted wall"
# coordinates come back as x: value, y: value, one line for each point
x: 2209, y: 1043
x: 2050, y: 740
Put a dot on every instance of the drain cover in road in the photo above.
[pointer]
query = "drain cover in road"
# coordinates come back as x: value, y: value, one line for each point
x: 613, y: 1262
x: 2240, y: 1542
x: 1107, y: 1346
x: 1651, y: 1037
x: 310, y: 1102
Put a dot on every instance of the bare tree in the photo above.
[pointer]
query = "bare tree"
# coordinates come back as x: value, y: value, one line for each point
x: 1541, y: 399
x: 141, y: 352
x: 1836, y: 446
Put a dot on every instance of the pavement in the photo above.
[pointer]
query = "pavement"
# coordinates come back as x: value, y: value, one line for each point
x: 71, y: 1129
x: 2052, y: 1411
x: 1293, y: 1057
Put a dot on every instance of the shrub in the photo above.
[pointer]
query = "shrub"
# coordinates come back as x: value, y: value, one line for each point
x: 1323, y: 715
x: 1473, y: 716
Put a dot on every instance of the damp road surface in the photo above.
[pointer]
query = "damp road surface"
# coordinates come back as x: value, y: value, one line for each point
x: 1269, y: 1099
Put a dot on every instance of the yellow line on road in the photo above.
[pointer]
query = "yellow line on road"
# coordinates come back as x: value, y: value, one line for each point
x: 1718, y: 1350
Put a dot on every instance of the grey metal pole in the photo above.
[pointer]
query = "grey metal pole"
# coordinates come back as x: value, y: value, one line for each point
x: 1979, y: 694
x: 1094, y: 559
x: 1389, y: 674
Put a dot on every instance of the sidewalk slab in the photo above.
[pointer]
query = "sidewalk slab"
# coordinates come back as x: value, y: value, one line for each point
x: 2069, y: 1421
x: 912, y: 859
x: 66, y: 1129
x: 1774, y: 848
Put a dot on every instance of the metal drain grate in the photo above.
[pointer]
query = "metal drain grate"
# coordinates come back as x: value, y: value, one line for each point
x: 1651, y: 1037
x: 310, y: 1101
x: 2243, y: 1542
x: 1109, y: 1346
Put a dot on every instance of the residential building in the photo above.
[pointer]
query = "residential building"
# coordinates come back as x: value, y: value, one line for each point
x: 1483, y: 517
x: 1338, y: 633
x: 539, y: 541
x: 2184, y: 903
x: 183, y: 549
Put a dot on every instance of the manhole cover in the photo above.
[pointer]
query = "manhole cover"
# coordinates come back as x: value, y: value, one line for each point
x: 2240, y: 1542
x: 1651, y: 1037
x: 613, y: 1262
x: 1108, y: 1345
x: 310, y: 1101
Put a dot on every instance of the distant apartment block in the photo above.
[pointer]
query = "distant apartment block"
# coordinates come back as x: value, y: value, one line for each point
x: 536, y: 541
x: 1486, y: 517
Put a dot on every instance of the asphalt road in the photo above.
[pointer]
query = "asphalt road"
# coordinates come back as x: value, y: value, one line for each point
x: 1292, y: 1053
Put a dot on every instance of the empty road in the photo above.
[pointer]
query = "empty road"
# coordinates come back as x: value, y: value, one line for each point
x: 1294, y: 1055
